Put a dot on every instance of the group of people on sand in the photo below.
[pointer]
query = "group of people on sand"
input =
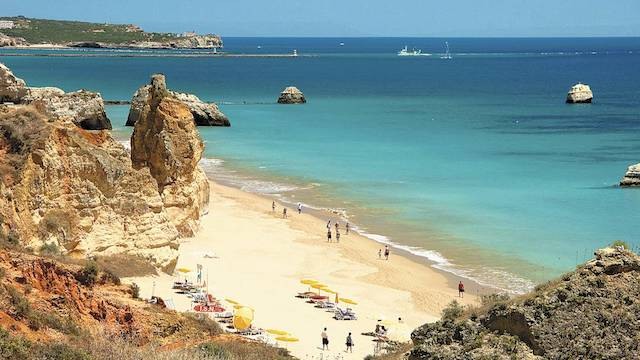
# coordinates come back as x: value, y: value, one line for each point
x: 284, y: 209
x: 387, y: 252
x: 325, y: 341
x: 337, y: 226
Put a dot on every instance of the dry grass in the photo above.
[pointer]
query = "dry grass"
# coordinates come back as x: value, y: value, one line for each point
x: 123, y: 265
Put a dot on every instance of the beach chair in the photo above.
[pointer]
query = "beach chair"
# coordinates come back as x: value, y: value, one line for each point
x: 346, y: 314
x: 325, y: 305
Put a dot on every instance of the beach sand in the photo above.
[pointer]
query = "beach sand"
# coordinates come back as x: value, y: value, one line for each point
x: 258, y: 259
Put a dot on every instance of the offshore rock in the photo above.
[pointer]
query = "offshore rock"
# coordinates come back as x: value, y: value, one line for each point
x: 291, y: 95
x: 204, y: 114
x: 579, y: 93
x: 12, y: 88
x: 591, y: 313
x: 77, y: 189
x: 632, y: 176
x: 165, y: 140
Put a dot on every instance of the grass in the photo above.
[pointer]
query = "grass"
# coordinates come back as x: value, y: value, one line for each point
x: 37, y: 31
x: 124, y: 265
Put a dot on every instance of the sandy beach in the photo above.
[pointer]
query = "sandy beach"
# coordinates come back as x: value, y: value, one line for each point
x: 257, y: 258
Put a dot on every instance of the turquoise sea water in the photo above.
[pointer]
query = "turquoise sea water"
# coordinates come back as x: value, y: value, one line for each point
x: 475, y: 163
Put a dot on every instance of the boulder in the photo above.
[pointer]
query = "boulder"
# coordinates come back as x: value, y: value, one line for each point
x: 165, y: 140
x: 77, y: 189
x: 11, y: 41
x: 204, y: 114
x: 291, y: 95
x: 632, y: 176
x: 12, y: 88
x: 579, y: 93
x: 82, y: 108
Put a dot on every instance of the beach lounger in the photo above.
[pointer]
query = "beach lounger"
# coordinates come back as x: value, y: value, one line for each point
x: 346, y: 314
x: 325, y: 305
x: 223, y: 315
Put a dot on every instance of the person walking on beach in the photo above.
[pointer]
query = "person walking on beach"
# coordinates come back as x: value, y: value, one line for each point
x: 273, y: 206
x: 329, y: 225
x: 347, y: 227
x: 379, y: 254
x: 337, y: 225
x: 461, y: 289
x: 386, y: 252
x: 337, y: 235
x: 325, y: 339
x: 329, y: 235
x: 299, y: 208
x: 284, y: 213
x: 349, y: 344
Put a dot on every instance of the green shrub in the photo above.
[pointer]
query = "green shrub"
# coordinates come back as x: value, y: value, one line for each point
x: 494, y: 298
x: 14, y: 348
x: 452, y: 311
x: 49, y: 249
x: 215, y: 351
x: 89, y: 274
x: 20, y: 304
x: 60, y: 351
x: 109, y: 276
x: 620, y: 243
x: 135, y: 290
x: 204, y: 323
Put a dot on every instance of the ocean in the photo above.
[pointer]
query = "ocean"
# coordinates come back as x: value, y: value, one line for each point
x: 474, y: 164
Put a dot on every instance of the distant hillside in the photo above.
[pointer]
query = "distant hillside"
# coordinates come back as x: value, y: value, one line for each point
x: 42, y: 31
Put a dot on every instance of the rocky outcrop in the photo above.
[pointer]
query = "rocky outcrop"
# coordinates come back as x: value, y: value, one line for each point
x: 12, y: 88
x: 579, y: 93
x: 11, y: 41
x: 291, y: 95
x: 592, y: 313
x: 165, y: 140
x: 82, y: 108
x: 197, y: 42
x: 76, y: 188
x: 204, y: 114
x: 185, y: 42
x: 632, y: 176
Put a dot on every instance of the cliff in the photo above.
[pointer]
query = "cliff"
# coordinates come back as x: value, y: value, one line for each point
x: 632, y: 176
x: 82, y: 108
x: 53, y: 309
x: 204, y: 114
x: 592, y: 313
x: 165, y: 140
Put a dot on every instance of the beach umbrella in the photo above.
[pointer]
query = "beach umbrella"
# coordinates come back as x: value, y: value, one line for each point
x: 242, y: 318
x: 348, y: 301
x: 287, y: 338
x: 231, y: 301
x: 328, y: 291
x: 184, y: 270
x: 277, y: 332
x: 308, y: 282
x: 319, y: 287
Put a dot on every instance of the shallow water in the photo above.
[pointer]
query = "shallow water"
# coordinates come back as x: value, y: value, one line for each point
x: 475, y: 163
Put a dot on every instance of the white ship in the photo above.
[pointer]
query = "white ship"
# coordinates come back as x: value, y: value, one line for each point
x: 447, y: 54
x: 414, y: 52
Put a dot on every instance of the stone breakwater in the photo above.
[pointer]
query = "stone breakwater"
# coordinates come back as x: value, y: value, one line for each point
x: 84, y: 192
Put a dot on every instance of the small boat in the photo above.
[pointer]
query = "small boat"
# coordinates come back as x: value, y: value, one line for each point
x: 259, y: 46
x: 447, y: 54
x: 341, y: 44
x: 295, y: 53
x: 414, y: 52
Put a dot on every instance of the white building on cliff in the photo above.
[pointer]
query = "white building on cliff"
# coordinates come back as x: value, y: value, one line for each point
x: 6, y: 24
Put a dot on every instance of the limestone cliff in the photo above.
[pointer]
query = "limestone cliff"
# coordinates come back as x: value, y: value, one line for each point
x: 78, y: 189
x: 592, y: 313
x: 632, y: 176
x: 204, y: 114
x: 11, y: 41
x: 165, y: 140
x: 82, y: 108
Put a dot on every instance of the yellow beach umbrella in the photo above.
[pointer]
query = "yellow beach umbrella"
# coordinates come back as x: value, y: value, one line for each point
x: 184, y: 270
x: 308, y: 281
x: 348, y: 301
x: 277, y: 332
x: 242, y: 318
x: 328, y: 291
x: 287, y: 338
x: 231, y: 301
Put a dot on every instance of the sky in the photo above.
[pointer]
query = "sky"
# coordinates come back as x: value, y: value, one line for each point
x: 352, y: 18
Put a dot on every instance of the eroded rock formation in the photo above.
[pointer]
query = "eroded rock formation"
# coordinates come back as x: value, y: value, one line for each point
x: 291, y: 95
x: 592, y: 313
x: 165, y: 140
x: 632, y: 176
x: 82, y: 108
x: 11, y: 41
x: 579, y: 93
x: 204, y: 114
x: 78, y: 189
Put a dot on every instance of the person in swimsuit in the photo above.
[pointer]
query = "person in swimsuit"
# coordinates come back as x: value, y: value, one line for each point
x: 329, y: 235
x: 461, y: 289
x: 379, y: 254
x: 299, y: 208
x: 284, y: 213
x: 337, y: 235
x: 325, y: 339
x: 386, y: 252
x: 273, y: 206
x: 347, y: 227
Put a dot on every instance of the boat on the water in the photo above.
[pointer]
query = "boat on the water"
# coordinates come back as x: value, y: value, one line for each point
x: 413, y: 52
x: 447, y: 54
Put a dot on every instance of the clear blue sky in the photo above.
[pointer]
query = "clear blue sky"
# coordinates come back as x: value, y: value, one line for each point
x: 352, y: 17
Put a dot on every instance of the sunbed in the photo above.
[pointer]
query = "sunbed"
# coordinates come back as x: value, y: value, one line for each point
x: 346, y: 314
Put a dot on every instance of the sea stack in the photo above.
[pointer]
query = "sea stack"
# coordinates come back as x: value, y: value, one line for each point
x: 291, y: 95
x: 579, y: 94
x: 632, y: 176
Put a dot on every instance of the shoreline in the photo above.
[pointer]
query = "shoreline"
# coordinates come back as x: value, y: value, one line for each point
x: 257, y: 258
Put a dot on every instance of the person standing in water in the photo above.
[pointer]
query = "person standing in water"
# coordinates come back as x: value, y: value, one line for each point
x: 337, y: 235
x: 347, y: 227
x: 461, y: 289
x: 349, y: 343
x: 284, y: 213
x: 273, y: 206
x: 299, y: 208
x: 386, y: 252
x: 329, y: 235
x: 325, y: 339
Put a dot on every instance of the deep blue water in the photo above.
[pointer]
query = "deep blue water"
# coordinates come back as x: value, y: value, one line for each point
x: 477, y: 159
